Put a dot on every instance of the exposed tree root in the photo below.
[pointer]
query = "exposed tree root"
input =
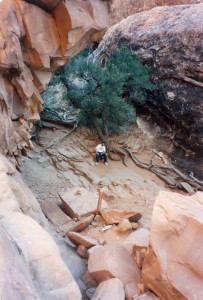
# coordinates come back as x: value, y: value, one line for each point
x: 118, y: 151
x: 191, y: 179
x: 54, y: 143
x: 171, y: 177
x: 38, y: 127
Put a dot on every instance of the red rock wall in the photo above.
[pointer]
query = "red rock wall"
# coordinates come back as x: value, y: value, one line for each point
x: 34, y: 42
x: 121, y: 9
x: 173, y: 266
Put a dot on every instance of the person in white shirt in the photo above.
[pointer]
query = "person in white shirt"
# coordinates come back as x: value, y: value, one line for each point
x: 101, y: 153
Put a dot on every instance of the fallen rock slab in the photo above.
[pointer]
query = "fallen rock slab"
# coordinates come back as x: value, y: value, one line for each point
x: 173, y: 266
x: 113, y: 261
x: 79, y: 239
x: 113, y: 216
x: 80, y: 202
x: 54, y: 214
x: 110, y: 289
x: 82, y: 224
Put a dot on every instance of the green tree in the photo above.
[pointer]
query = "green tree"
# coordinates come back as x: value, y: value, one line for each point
x: 104, y: 94
x: 138, y: 80
x: 98, y: 91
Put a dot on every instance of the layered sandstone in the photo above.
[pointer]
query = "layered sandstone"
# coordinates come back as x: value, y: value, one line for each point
x: 35, y: 39
x: 169, y: 40
x: 121, y: 9
x: 31, y: 261
x: 173, y: 266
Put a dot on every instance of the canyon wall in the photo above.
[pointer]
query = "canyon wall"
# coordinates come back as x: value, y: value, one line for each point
x: 36, y: 38
x: 169, y: 40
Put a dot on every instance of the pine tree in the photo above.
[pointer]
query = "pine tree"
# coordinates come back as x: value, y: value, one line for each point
x: 100, y: 91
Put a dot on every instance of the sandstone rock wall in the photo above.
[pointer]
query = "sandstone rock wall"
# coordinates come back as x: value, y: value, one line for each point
x: 173, y: 266
x: 34, y: 42
x: 169, y: 39
x: 31, y: 262
x: 121, y: 9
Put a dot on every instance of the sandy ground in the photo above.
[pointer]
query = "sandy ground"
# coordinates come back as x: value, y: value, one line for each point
x: 71, y: 163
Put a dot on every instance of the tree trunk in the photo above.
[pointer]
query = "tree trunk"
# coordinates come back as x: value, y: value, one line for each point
x: 106, y: 130
x: 99, y: 131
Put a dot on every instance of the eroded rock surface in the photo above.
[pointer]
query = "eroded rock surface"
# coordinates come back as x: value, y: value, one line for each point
x: 16, y: 280
x: 27, y: 250
x: 121, y: 9
x: 42, y: 256
x: 169, y: 39
x: 33, y: 44
x: 173, y: 267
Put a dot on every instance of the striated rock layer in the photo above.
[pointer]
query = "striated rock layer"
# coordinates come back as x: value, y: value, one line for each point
x: 169, y: 39
x: 121, y: 9
x: 173, y: 266
x: 34, y: 42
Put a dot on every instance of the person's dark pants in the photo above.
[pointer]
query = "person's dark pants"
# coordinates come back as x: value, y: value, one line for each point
x: 101, y: 156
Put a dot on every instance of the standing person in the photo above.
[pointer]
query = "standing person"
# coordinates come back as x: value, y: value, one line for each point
x: 101, y: 153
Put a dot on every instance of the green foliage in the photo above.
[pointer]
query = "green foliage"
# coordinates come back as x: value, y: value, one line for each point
x: 138, y: 75
x: 104, y: 94
x: 98, y: 93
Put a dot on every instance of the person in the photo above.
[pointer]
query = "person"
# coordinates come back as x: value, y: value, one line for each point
x: 101, y: 153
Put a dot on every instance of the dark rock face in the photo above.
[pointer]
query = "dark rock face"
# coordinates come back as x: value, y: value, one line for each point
x: 45, y: 4
x: 169, y: 39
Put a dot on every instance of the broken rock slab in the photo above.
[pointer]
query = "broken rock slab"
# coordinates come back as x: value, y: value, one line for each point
x: 113, y: 216
x: 110, y: 289
x: 137, y: 240
x: 79, y: 202
x: 82, y: 224
x: 79, y: 239
x: 113, y: 261
x: 54, y: 214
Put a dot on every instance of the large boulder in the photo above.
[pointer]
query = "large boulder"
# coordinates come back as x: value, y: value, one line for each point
x: 16, y: 280
x: 169, y: 39
x: 173, y: 266
x: 36, y: 38
x: 42, y: 256
x: 121, y: 9
x: 114, y: 261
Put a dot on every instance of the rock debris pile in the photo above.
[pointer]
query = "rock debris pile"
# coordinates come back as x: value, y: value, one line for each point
x: 126, y: 261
